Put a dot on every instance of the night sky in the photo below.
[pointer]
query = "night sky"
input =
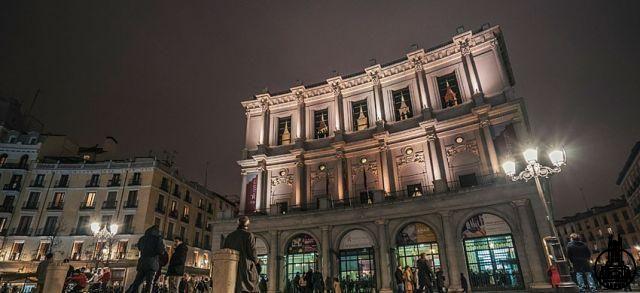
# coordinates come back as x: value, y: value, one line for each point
x: 170, y: 75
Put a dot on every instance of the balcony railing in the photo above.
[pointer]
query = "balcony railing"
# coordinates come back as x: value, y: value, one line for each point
x: 87, y: 206
x: 81, y: 232
x: 109, y: 205
x: 46, y: 232
x: 160, y: 209
x: 6, y: 208
x: 30, y: 205
x: 185, y: 218
x: 113, y: 183
x: 128, y: 230
x: 13, y: 186
x: 56, y: 205
x: 177, y: 193
x: 173, y: 214
x: 62, y: 184
x: 164, y: 187
x: 14, y: 166
x: 37, y: 183
x: 20, y: 232
x: 134, y: 182
x: 91, y: 183
x: 131, y: 204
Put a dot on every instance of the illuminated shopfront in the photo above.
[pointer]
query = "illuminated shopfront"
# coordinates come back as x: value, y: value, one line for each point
x: 413, y: 240
x: 357, y: 262
x: 302, y: 255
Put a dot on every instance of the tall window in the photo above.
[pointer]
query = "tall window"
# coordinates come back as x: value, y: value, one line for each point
x: 95, y: 179
x: 3, y: 159
x: 321, y: 123
x: 16, y: 250
x: 106, y: 219
x: 136, y: 179
x: 115, y: 180
x: 183, y: 233
x: 24, y: 225
x: 90, y: 199
x: 121, y: 249
x: 39, y: 180
x: 449, y: 90
x: 64, y: 181
x: 132, y: 198
x: 174, y: 206
x: 83, y: 223
x: 32, y: 201
x: 284, y: 130
x: 58, y: 200
x: 170, y: 231
x: 76, y: 250
x: 402, y: 104
x: 43, y: 249
x: 359, y: 115
x: 50, y: 226
x: 128, y: 224
x: 111, y: 197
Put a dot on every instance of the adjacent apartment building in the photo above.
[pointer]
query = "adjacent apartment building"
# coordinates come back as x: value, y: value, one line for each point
x: 629, y: 181
x: 360, y: 173
x: 49, y: 206
x: 598, y: 223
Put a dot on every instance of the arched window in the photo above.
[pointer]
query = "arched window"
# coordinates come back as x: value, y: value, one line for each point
x: 301, y: 255
x: 263, y: 255
x: 357, y: 261
x: 415, y: 239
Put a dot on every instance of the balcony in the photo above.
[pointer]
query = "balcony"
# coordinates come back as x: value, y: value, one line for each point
x: 15, y: 166
x: 132, y: 204
x: 199, y: 223
x: 6, y: 208
x: 87, y: 206
x: 37, y: 183
x: 109, y: 205
x: 113, y: 183
x: 134, y: 182
x: 80, y: 232
x: 20, y: 231
x: 160, y: 209
x: 185, y: 218
x: 47, y: 232
x: 56, y: 205
x: 164, y: 187
x: 13, y: 186
x: 61, y: 184
x: 173, y: 214
x: 29, y: 205
x: 91, y: 183
x: 127, y: 230
x: 177, y: 193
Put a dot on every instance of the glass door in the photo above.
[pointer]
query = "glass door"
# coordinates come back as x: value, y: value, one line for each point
x: 357, y: 270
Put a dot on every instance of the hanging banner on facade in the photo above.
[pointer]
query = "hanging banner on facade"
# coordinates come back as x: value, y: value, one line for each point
x: 302, y: 243
x: 484, y: 225
x: 261, y: 247
x: 355, y: 239
x: 251, y: 194
x: 415, y: 233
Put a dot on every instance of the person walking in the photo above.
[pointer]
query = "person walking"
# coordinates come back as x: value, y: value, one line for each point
x: 151, y: 247
x: 399, y: 277
x: 244, y: 242
x: 579, y: 254
x: 440, y: 281
x: 408, y: 279
x: 41, y: 271
x: 175, y: 270
x: 463, y: 283
x: 425, y: 276
x: 336, y: 286
x: 309, y: 278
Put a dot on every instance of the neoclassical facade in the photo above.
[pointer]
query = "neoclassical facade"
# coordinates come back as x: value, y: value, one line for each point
x: 361, y: 173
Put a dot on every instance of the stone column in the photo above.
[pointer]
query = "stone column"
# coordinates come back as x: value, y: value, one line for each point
x: 488, y: 138
x: 302, y: 125
x: 301, y: 182
x: 265, y: 127
x: 56, y: 274
x: 243, y: 192
x: 439, y: 182
x: 263, y: 179
x: 274, y: 262
x: 385, y: 268
x: 388, y: 169
x: 326, y: 250
x: 337, y: 106
x: 532, y: 247
x: 451, y: 251
x: 471, y: 72
x: 374, y: 75
x: 340, y: 175
x: 225, y: 270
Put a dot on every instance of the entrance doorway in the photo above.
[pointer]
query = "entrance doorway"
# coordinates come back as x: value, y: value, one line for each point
x: 413, y: 240
x: 302, y: 255
x: 357, y: 262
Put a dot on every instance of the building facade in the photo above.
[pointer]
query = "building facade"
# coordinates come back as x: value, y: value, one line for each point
x: 49, y: 207
x: 361, y: 173
x: 598, y: 223
x: 629, y: 181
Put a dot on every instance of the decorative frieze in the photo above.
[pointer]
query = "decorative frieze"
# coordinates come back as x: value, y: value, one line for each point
x: 409, y: 158
x: 453, y: 150
x: 283, y: 177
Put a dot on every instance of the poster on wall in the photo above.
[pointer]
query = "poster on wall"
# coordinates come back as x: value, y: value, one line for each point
x: 484, y: 225
x: 302, y: 243
x: 415, y: 233
x: 251, y: 194
x: 355, y: 239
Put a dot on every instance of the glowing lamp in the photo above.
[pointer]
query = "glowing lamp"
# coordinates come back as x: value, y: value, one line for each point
x: 530, y: 155
x: 509, y: 168
x: 95, y: 227
x: 363, y: 160
x: 557, y: 157
x: 113, y: 228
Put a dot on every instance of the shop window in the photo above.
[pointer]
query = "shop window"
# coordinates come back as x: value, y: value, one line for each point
x: 284, y: 130
x: 320, y: 123
x: 413, y: 240
x: 449, y: 90
x: 402, y: 104
x: 359, y: 115
x: 301, y: 255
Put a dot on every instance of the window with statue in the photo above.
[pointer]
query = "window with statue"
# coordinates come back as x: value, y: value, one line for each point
x: 402, y: 104
x: 321, y: 123
x: 284, y: 130
x: 359, y: 115
x: 449, y: 90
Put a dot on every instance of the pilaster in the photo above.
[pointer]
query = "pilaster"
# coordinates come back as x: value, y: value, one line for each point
x: 532, y: 245
x: 384, y: 254
x: 452, y: 248
x: 325, y: 257
x: 273, y: 262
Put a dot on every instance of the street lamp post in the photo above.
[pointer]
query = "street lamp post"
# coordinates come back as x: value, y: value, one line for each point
x: 104, y: 234
x: 534, y: 170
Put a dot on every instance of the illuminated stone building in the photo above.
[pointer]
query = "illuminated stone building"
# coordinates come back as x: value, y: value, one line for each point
x: 360, y: 173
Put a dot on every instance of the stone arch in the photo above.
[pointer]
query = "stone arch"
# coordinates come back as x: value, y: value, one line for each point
x: 263, y: 239
x: 435, y: 227
x: 285, y: 241
x: 505, y: 216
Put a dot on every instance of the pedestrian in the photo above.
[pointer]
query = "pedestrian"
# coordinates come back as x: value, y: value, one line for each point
x: 336, y: 286
x: 263, y: 284
x: 440, y: 281
x: 579, y: 255
x: 554, y: 276
x: 309, y: 278
x: 296, y: 283
x: 151, y: 247
x: 302, y: 284
x: 463, y: 283
x: 318, y: 282
x: 408, y: 280
x: 244, y: 242
x: 175, y: 270
x: 399, y: 277
x: 425, y: 276
x: 41, y: 271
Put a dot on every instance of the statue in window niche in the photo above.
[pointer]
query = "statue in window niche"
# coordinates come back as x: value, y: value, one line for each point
x: 285, y: 138
x: 322, y: 130
x: 450, y: 98
x: 403, y: 110
x: 363, y: 121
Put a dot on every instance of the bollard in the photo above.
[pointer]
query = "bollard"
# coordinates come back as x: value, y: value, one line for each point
x: 56, y: 274
x: 225, y: 270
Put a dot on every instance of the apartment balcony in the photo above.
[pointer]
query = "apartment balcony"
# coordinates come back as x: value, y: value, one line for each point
x: 20, y: 232
x: 30, y: 206
x: 13, y: 186
x: 110, y: 205
x: 87, y: 206
x: 113, y: 183
x: 131, y: 204
x: 47, y: 232
x: 128, y: 230
x: 199, y: 223
x: 56, y: 205
x: 173, y: 214
x: 160, y: 209
x: 80, y: 232
x: 164, y: 187
x: 16, y: 166
x: 177, y: 193
x: 61, y: 184
x: 6, y: 208
x: 92, y: 184
x: 134, y: 182
x: 185, y: 218
x: 35, y: 183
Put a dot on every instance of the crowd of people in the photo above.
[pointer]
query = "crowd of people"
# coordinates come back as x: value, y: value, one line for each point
x: 420, y: 279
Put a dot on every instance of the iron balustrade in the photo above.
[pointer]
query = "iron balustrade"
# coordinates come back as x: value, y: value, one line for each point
x: 109, y: 205
x: 113, y: 183
x: 87, y: 206
x: 21, y: 231
x: 173, y: 214
x: 134, y: 182
x: 13, y: 186
x: 61, y: 184
x: 56, y: 205
x: 37, y: 183
x: 160, y: 209
x: 131, y: 204
x: 6, y: 208
x: 15, y: 166
x: 91, y: 183
x: 30, y: 205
